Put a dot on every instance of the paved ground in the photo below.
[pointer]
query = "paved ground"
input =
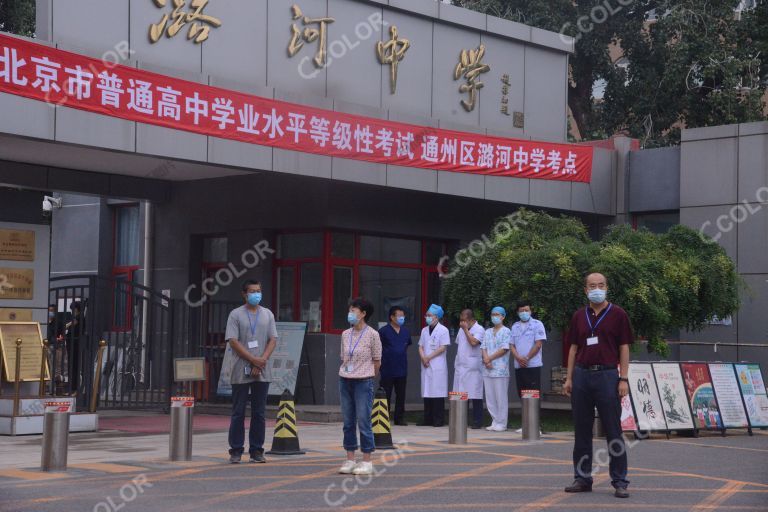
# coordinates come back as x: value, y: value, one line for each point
x: 125, y: 468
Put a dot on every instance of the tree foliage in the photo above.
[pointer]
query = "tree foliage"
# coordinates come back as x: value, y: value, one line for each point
x: 18, y: 17
x: 688, y: 62
x: 677, y: 280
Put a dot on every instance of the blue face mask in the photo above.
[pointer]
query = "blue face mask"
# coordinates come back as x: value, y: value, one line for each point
x: 254, y: 298
x: 597, y: 296
x: 352, y: 318
x: 428, y: 319
x: 401, y: 320
x: 496, y: 319
x: 524, y: 316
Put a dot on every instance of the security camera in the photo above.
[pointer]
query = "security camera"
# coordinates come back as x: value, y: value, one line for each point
x: 49, y: 203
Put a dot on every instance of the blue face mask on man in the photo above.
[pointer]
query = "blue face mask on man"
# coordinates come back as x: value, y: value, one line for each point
x: 401, y: 321
x: 597, y: 296
x: 254, y: 298
x: 524, y: 316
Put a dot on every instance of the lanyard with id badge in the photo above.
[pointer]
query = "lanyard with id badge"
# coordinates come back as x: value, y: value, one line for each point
x: 252, y: 342
x: 592, y: 340
x: 349, y: 367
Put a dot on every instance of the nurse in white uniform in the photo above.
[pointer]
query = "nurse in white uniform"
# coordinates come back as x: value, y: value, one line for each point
x: 433, y: 344
x: 468, y: 374
x: 495, y: 348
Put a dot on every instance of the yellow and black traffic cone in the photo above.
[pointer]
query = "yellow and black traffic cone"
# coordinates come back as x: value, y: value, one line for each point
x: 286, y: 438
x: 382, y: 431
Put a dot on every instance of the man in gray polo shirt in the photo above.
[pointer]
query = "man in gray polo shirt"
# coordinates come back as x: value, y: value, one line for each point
x: 252, y: 334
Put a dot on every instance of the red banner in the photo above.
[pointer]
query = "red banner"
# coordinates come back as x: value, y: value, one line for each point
x: 58, y: 77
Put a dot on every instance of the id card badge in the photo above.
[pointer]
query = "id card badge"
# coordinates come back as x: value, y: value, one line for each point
x: 247, y: 370
x: 253, y: 344
x: 592, y: 340
x: 348, y: 368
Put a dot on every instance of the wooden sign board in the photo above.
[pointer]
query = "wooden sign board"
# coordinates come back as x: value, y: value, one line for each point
x: 31, y: 351
x: 17, y: 245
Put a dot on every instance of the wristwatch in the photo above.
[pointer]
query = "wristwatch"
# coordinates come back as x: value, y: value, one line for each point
x: 624, y: 379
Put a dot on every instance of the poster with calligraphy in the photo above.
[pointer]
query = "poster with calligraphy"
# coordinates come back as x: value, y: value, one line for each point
x: 726, y: 387
x: 701, y: 396
x: 645, y: 397
x: 628, y: 423
x: 753, y: 390
x: 66, y: 79
x: 674, y: 402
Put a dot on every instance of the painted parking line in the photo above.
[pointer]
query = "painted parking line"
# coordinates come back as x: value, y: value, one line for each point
x: 108, y: 467
x: 22, y: 474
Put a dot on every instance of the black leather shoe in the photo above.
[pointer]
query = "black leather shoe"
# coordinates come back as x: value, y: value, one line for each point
x: 621, y: 492
x: 476, y: 427
x: 234, y: 458
x: 579, y: 486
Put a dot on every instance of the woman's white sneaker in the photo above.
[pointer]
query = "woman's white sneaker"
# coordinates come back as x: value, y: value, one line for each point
x: 363, y: 468
x: 348, y: 467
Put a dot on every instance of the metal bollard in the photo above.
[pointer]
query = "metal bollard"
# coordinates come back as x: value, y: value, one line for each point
x: 457, y: 418
x: 531, y: 424
x: 597, y: 426
x: 55, y: 437
x: 181, y: 428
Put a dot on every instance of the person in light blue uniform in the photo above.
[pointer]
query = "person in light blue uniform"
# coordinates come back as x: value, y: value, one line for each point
x: 495, y: 347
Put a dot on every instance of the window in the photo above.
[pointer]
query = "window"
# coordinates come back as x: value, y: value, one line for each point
x: 656, y: 222
x: 390, y: 286
x: 317, y: 274
x: 124, y: 263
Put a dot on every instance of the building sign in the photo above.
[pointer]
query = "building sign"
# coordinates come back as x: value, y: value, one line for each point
x: 505, y: 85
x: 199, y: 23
x: 47, y: 74
x: 31, y: 350
x: 470, y: 67
x: 16, y: 245
x: 391, y: 53
x: 315, y: 29
x: 17, y: 283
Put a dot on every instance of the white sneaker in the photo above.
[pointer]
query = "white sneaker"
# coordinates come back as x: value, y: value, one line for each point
x: 519, y: 431
x: 363, y: 468
x: 489, y: 428
x: 348, y: 467
x: 499, y: 428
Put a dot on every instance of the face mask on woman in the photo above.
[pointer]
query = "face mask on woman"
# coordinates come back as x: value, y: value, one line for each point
x: 496, y: 319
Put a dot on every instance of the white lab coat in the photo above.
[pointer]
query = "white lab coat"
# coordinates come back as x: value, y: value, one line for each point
x: 468, y: 365
x: 434, y: 379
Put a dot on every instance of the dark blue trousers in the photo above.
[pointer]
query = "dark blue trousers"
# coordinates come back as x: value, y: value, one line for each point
x: 598, y: 389
x: 258, y: 392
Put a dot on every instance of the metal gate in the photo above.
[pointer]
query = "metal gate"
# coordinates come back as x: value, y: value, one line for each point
x: 143, y: 330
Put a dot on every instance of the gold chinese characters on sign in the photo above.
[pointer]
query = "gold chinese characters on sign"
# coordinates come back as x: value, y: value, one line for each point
x: 170, y: 26
x: 309, y: 35
x: 391, y: 53
x: 470, y: 67
x: 17, y: 245
x: 31, y: 351
x: 17, y: 283
x: 505, y: 94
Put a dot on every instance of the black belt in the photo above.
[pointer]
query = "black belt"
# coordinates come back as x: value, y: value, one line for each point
x: 596, y: 367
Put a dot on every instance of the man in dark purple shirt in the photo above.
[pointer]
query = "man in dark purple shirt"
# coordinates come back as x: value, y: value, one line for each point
x: 599, y: 336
